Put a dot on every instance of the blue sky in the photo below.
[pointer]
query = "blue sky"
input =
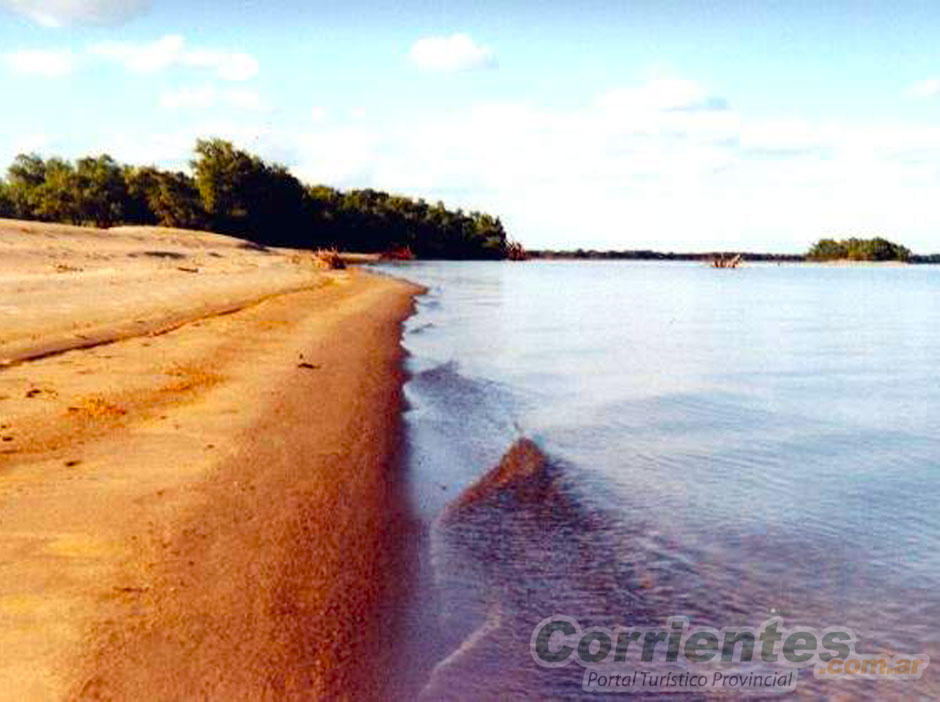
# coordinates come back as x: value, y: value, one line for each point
x: 668, y: 125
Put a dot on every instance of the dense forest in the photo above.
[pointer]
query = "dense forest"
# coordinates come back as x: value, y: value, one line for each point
x: 234, y: 192
x: 876, y: 249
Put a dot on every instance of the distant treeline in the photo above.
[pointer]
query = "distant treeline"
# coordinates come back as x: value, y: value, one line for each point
x: 647, y: 255
x: 876, y: 249
x: 234, y: 192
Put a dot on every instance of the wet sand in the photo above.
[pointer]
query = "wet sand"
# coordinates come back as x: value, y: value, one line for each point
x: 209, y: 510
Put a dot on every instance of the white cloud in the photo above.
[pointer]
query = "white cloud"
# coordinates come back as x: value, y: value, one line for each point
x: 457, y: 52
x: 41, y: 63
x: 60, y: 13
x: 929, y: 88
x: 317, y: 113
x: 171, y: 50
x: 209, y: 96
x: 662, y: 94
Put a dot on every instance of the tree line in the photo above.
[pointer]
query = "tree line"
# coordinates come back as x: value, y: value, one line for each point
x: 231, y: 191
x: 650, y: 255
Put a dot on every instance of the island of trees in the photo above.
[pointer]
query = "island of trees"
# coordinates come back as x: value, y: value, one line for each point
x: 876, y: 249
x: 231, y: 191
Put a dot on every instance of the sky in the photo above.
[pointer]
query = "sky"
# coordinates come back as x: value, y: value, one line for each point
x: 612, y: 125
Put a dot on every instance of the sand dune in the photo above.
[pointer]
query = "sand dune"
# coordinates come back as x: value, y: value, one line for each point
x: 204, y: 513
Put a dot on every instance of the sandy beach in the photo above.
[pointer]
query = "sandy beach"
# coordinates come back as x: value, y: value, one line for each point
x: 197, y: 487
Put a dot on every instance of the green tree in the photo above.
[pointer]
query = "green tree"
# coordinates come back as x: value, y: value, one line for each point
x: 827, y: 250
x: 244, y: 195
x: 25, y: 176
x: 57, y: 197
x: 101, y: 191
x: 224, y: 177
x: 164, y: 198
x: 140, y: 182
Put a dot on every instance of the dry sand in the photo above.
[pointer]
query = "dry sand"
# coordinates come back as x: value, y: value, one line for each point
x: 210, y: 512
x: 64, y: 287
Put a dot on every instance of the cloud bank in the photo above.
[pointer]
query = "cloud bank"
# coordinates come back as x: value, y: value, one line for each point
x: 665, y: 164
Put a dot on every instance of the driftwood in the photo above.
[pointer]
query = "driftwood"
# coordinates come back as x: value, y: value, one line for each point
x: 722, y: 262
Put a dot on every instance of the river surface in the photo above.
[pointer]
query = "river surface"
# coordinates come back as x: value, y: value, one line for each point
x: 727, y: 445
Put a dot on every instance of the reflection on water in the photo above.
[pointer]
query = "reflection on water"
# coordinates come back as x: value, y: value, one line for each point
x: 727, y: 445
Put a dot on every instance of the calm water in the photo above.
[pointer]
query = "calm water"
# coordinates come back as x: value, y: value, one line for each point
x: 728, y: 445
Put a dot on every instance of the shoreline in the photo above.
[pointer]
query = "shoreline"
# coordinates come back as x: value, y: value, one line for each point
x: 215, y: 511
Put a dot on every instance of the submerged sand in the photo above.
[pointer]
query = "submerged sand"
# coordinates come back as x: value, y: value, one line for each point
x: 206, y: 509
